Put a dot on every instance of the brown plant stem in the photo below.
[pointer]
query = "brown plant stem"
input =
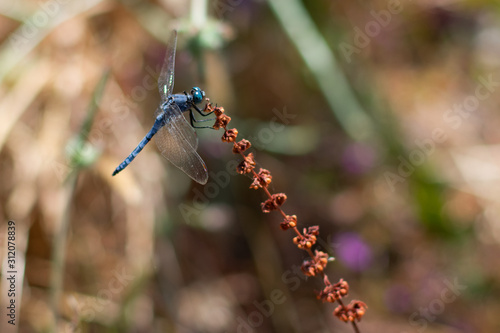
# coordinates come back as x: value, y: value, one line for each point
x: 305, y: 240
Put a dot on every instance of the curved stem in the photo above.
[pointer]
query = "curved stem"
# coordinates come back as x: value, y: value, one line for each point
x: 323, y: 65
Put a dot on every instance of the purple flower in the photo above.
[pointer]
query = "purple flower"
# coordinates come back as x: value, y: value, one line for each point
x: 353, y: 252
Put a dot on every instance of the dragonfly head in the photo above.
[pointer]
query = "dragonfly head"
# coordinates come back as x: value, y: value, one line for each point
x: 197, y: 94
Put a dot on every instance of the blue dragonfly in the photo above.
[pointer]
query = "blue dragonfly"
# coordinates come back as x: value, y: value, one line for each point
x: 174, y: 136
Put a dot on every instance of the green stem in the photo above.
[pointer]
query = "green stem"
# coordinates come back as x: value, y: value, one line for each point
x: 323, y: 65
x: 59, y: 247
x: 59, y: 252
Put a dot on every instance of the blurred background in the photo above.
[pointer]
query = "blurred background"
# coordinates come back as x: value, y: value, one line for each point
x: 378, y: 119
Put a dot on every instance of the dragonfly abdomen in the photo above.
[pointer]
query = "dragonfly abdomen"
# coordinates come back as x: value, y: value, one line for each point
x: 157, y: 125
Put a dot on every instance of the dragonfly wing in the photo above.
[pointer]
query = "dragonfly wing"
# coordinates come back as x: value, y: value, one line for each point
x: 177, y: 142
x: 166, y: 78
x: 186, y: 130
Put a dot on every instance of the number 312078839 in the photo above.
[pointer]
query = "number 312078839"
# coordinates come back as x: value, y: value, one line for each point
x: 11, y: 245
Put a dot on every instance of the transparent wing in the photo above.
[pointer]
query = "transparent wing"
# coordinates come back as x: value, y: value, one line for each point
x: 177, y: 142
x: 166, y: 79
x: 183, y: 127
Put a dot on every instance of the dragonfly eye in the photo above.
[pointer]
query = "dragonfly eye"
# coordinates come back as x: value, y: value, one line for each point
x: 198, y: 95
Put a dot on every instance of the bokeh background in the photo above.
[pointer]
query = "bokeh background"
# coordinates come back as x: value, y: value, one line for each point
x: 378, y: 119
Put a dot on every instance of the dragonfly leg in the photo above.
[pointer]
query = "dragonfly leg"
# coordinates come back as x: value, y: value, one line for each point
x: 201, y: 112
x: 193, y: 120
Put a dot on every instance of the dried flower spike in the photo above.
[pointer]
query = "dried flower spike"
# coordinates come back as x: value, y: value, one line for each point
x: 262, y: 179
x: 316, y: 265
x: 230, y: 135
x: 289, y: 222
x: 218, y: 111
x: 334, y: 292
x: 308, y: 239
x: 317, y: 262
x: 247, y: 165
x: 273, y: 203
x: 241, y: 146
x: 208, y: 108
x: 354, y: 311
x: 221, y: 122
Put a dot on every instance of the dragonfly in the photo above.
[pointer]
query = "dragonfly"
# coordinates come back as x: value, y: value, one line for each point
x: 174, y: 136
